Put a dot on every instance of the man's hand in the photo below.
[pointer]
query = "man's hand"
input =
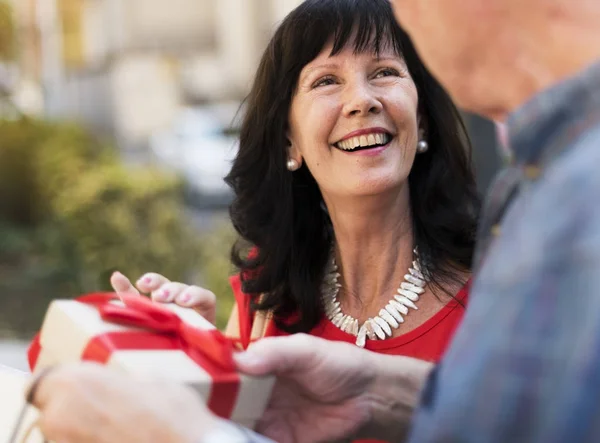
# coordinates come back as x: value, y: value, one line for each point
x: 328, y: 391
x: 88, y: 403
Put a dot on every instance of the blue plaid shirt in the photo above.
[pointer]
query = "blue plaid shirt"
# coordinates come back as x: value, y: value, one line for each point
x: 525, y: 364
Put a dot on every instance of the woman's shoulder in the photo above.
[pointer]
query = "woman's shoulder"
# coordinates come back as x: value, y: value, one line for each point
x: 459, y: 287
x: 461, y: 292
x: 242, y: 300
x: 246, y: 323
x: 240, y: 323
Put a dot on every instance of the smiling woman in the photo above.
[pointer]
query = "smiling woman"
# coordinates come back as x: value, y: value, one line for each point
x: 354, y: 196
x: 379, y: 168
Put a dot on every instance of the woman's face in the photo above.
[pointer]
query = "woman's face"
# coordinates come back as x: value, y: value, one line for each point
x: 353, y: 121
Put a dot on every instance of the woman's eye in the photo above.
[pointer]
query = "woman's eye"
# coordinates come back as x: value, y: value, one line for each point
x: 325, y: 81
x: 387, y: 72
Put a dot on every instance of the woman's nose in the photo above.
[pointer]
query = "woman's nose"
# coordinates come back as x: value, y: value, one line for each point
x: 359, y: 99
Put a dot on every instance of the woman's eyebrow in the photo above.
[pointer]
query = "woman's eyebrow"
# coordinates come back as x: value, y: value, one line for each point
x: 309, y: 70
x: 388, y: 58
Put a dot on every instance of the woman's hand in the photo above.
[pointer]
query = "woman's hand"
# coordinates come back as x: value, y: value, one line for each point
x: 163, y: 290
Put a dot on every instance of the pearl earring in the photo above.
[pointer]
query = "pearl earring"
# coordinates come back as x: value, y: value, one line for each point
x: 422, y: 146
x: 292, y: 165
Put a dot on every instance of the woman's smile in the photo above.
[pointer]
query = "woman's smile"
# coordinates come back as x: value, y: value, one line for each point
x: 370, y: 142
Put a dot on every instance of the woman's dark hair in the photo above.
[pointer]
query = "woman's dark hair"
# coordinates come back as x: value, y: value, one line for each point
x: 278, y: 213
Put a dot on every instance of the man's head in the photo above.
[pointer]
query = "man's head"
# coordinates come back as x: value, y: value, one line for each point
x: 492, y: 55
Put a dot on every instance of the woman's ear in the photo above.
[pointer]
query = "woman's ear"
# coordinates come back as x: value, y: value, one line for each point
x: 294, y: 158
x: 422, y: 125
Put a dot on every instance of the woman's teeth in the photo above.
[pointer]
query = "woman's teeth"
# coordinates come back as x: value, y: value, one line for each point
x: 364, y: 141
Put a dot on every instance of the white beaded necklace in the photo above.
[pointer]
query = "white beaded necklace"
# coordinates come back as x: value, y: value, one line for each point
x: 391, y: 316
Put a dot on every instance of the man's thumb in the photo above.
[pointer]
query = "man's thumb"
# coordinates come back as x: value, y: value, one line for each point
x: 277, y: 355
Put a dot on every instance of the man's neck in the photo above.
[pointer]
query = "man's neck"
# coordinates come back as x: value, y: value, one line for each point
x: 560, y: 44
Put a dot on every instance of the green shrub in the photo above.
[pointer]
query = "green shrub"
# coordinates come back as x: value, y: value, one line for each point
x: 71, y: 214
x: 21, y: 199
x: 7, y: 31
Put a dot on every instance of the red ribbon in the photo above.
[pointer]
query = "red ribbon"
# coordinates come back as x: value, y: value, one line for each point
x: 161, y: 329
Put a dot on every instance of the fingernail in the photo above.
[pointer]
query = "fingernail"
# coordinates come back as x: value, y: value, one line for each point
x: 185, y: 299
x: 163, y: 295
x: 247, y: 359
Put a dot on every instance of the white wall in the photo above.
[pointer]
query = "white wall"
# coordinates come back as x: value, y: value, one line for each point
x: 142, y: 56
x: 281, y: 8
x: 98, y: 30
x: 144, y: 95
x: 237, y: 41
x: 243, y: 29
x: 167, y: 23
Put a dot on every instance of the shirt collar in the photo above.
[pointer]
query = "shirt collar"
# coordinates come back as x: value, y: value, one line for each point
x: 542, y: 126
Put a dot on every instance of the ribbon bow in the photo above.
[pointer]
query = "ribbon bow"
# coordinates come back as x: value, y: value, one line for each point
x: 141, y: 312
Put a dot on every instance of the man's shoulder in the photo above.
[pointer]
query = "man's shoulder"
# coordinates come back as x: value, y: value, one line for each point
x: 579, y: 155
x: 572, y: 177
x: 554, y: 211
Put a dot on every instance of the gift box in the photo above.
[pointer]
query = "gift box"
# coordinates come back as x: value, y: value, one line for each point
x: 152, y: 341
x: 13, y: 384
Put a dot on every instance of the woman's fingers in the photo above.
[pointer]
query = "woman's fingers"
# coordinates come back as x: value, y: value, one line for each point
x: 150, y: 282
x: 121, y: 284
x: 200, y: 299
x: 168, y: 292
x: 196, y: 297
x: 163, y: 290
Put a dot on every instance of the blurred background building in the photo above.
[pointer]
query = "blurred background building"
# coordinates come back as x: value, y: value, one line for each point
x: 160, y: 80
x: 127, y: 67
x: 133, y: 69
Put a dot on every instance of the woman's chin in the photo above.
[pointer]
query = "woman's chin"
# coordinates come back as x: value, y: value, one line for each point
x: 373, y: 188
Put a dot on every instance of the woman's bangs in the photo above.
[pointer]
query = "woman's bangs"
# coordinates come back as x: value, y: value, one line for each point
x: 365, y: 25
x: 369, y: 32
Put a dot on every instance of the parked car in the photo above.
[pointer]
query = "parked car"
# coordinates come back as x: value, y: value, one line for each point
x: 200, y: 146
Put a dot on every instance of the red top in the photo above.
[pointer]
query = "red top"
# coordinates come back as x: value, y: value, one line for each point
x: 426, y: 342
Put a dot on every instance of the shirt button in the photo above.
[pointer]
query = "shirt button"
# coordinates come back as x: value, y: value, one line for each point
x: 532, y: 172
x: 496, y: 231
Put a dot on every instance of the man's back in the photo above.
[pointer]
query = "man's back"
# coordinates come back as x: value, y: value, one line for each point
x: 525, y: 366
